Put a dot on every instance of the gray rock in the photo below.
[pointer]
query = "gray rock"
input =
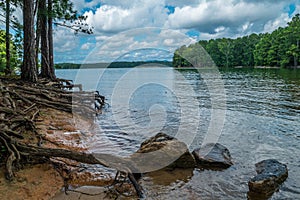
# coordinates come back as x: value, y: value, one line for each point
x: 163, y: 151
x: 270, y: 175
x: 213, y: 156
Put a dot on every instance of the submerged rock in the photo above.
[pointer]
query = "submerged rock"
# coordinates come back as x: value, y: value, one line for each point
x: 270, y: 174
x: 162, y: 151
x: 213, y: 155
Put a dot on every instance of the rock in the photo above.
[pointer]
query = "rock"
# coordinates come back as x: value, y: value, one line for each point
x: 213, y: 155
x: 270, y: 174
x: 163, y: 151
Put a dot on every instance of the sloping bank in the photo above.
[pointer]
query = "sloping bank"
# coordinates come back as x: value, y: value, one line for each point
x: 42, y: 141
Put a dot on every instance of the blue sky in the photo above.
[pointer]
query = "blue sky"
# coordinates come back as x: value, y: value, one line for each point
x: 133, y: 29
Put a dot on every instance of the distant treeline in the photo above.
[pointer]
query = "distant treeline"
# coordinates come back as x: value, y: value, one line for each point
x: 277, y: 49
x: 112, y: 65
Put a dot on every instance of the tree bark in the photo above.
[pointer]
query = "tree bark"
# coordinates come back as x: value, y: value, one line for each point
x: 44, y: 40
x: 105, y: 160
x: 38, y: 35
x: 28, y: 69
x: 7, y: 39
x: 50, y: 39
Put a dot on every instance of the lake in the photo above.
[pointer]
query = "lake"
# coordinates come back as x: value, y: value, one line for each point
x: 255, y: 113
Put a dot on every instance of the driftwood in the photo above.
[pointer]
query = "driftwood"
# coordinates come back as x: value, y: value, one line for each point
x: 20, y: 104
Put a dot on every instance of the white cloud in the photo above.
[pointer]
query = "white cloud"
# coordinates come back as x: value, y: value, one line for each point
x: 114, y: 18
x: 87, y: 46
x: 132, y: 43
x: 219, y: 29
x: 81, y: 4
x: 120, y: 25
x: 232, y: 17
x: 281, y: 21
x: 236, y: 16
x: 65, y: 40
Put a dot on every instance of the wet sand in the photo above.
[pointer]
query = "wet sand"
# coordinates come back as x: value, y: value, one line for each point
x: 42, y: 182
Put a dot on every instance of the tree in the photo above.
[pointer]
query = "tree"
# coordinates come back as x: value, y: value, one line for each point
x: 45, y: 35
x: 294, y: 52
x: 56, y: 10
x: 50, y: 71
x: 279, y: 48
x: 225, y: 47
x: 260, y: 52
x: 10, y: 22
x: 214, y: 52
x: 8, y: 68
x: 42, y: 23
x: 294, y: 35
x: 28, y: 70
x: 14, y: 58
x: 2, y: 51
x: 179, y: 58
x: 12, y: 48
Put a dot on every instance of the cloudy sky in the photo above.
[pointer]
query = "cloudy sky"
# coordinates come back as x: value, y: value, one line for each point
x: 153, y: 29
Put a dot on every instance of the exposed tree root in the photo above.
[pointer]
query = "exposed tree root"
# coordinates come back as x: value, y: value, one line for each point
x: 20, y: 104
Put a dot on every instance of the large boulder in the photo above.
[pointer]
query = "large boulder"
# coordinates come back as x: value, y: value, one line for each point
x: 162, y: 151
x: 270, y: 175
x: 213, y: 155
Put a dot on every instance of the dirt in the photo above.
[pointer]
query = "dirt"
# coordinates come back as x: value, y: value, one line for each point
x: 41, y: 182
x: 33, y: 182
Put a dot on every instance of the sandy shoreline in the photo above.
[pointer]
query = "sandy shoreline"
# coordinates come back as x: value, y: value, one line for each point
x: 58, y: 130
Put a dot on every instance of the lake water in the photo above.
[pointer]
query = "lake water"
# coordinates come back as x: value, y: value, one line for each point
x: 255, y: 113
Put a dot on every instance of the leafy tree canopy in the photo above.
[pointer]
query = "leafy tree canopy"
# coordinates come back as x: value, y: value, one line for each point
x: 15, y: 57
x: 279, y: 48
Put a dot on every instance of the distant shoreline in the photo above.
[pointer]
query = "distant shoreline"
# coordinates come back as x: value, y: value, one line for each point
x: 111, y: 65
x: 167, y: 64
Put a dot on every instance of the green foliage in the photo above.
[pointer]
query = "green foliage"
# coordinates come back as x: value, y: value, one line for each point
x: 192, y: 56
x: 63, y: 9
x: 66, y: 16
x: 224, y: 52
x: 279, y: 48
x: 15, y: 58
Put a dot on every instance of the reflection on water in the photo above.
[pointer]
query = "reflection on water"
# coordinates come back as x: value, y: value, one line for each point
x: 262, y: 122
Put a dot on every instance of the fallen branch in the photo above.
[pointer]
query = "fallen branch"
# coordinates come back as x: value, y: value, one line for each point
x: 106, y: 160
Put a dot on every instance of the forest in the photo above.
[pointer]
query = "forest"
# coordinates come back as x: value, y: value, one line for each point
x: 277, y: 49
x: 111, y: 65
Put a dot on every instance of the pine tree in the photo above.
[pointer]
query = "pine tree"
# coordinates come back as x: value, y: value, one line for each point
x: 28, y: 70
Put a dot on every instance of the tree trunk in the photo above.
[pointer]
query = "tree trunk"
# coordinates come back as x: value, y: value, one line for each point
x: 38, y: 36
x: 44, y: 40
x: 28, y: 69
x: 51, y: 71
x: 7, y: 39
